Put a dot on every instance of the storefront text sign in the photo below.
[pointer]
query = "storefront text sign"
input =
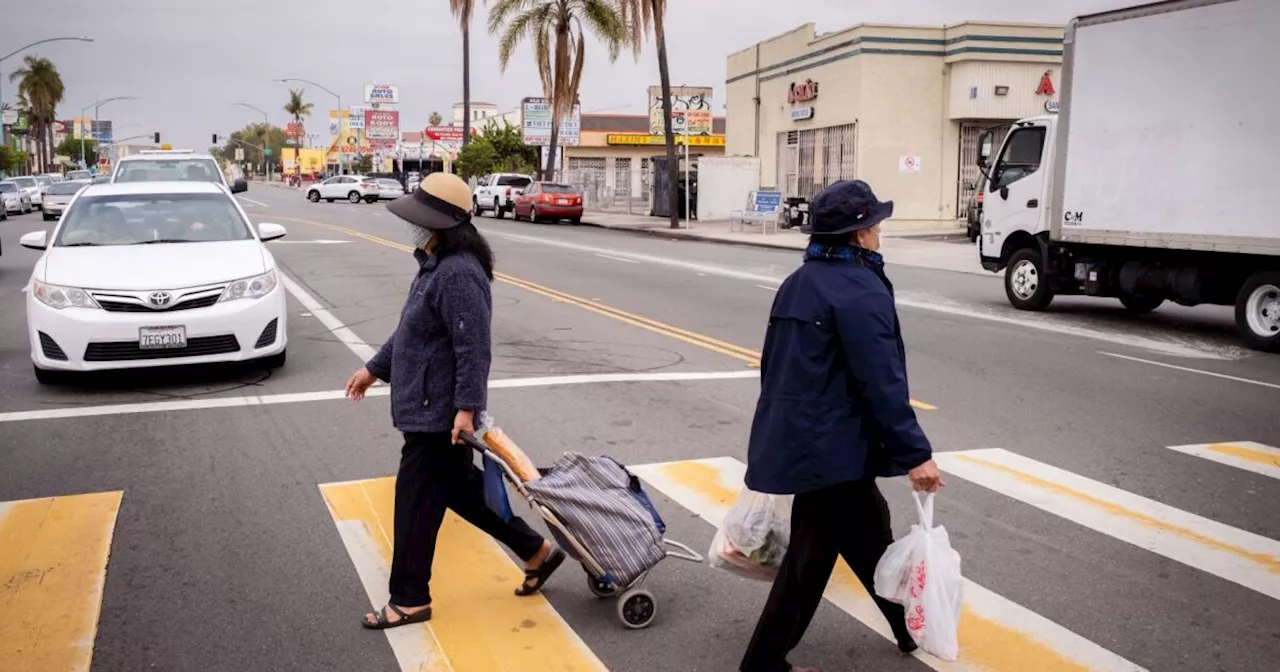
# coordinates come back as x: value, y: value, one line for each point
x: 802, y: 92
x: 638, y: 139
x: 381, y: 93
x: 1051, y: 106
x: 801, y: 113
x: 1046, y: 84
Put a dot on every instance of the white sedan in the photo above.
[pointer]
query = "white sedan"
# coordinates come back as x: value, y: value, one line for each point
x: 148, y: 273
x: 389, y: 189
x: 353, y: 188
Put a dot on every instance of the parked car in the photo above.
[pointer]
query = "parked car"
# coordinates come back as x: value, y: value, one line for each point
x: 59, y: 196
x: 548, y: 201
x: 32, y: 188
x: 389, y: 188
x: 174, y: 165
x: 84, y: 175
x: 353, y: 188
x: 496, y: 193
x: 146, y: 274
x: 15, y: 197
x: 973, y: 218
x: 55, y: 177
x: 100, y: 179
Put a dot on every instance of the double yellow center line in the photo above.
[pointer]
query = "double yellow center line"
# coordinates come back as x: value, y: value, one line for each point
x: 750, y: 357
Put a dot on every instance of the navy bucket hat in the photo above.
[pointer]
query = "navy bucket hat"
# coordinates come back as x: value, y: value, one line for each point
x: 848, y: 205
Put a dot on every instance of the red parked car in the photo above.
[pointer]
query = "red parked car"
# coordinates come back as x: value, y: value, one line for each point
x: 549, y: 201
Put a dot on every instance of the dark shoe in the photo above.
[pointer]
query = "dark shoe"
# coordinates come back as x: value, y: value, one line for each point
x: 907, y: 645
x: 535, y: 578
x: 381, y: 622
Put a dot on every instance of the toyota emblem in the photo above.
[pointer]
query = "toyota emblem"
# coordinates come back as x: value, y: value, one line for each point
x: 159, y: 299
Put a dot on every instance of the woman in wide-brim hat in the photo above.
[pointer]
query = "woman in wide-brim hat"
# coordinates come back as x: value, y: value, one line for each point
x: 437, y: 362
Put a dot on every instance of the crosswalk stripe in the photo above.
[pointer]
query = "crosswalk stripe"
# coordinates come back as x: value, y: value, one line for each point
x: 1236, y: 555
x: 53, y: 562
x: 1255, y: 457
x: 996, y: 635
x: 478, y: 624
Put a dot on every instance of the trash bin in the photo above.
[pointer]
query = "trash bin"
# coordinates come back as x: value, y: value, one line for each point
x: 797, y: 213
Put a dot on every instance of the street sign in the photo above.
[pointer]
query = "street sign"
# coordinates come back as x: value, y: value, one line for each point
x: 267, y: 151
x: 239, y: 154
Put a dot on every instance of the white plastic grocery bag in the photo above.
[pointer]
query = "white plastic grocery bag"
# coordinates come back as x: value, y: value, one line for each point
x: 922, y: 573
x: 754, y: 536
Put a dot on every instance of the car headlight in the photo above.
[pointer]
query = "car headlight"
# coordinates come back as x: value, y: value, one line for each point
x: 61, y: 297
x: 250, y: 288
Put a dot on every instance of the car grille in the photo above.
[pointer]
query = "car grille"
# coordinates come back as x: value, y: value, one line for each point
x: 51, y: 348
x: 125, y: 307
x: 268, y: 335
x: 127, y: 350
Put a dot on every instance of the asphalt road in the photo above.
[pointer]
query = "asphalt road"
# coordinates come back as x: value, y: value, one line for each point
x: 1087, y: 540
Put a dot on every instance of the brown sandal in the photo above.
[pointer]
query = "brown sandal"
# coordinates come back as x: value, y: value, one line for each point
x: 381, y: 622
x: 540, y: 575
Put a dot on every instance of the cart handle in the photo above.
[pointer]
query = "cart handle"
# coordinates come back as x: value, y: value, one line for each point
x: 683, y: 552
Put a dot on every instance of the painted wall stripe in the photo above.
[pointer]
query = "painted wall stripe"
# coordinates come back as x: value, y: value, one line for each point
x: 996, y: 635
x: 53, y: 563
x: 1236, y: 555
x: 1255, y: 457
x: 478, y: 624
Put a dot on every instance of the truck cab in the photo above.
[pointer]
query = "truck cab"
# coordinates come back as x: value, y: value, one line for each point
x: 1016, y: 191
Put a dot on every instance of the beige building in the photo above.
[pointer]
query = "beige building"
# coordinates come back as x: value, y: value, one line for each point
x: 900, y: 107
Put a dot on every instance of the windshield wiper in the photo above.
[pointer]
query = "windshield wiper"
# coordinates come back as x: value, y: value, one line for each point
x: 80, y: 244
x: 164, y: 240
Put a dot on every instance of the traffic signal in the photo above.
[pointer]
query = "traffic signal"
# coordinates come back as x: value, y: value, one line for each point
x: 215, y: 138
x: 157, y: 137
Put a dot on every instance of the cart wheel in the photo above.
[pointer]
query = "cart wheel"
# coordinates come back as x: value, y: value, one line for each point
x: 600, y: 588
x: 637, y: 608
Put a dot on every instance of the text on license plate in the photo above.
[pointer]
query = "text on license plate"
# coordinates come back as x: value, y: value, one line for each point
x: 162, y: 338
x: 562, y: 201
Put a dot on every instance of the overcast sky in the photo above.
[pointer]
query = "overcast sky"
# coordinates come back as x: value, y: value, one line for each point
x: 189, y: 60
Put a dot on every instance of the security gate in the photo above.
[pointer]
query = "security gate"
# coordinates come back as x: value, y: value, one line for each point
x: 969, y: 175
x: 813, y: 159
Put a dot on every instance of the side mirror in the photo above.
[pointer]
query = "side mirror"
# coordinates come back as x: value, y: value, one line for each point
x: 36, y: 240
x: 268, y: 231
x: 239, y: 185
x: 984, y: 148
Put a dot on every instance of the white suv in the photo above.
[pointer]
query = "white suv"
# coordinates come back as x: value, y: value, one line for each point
x: 497, y: 192
x: 173, y: 165
x: 353, y: 188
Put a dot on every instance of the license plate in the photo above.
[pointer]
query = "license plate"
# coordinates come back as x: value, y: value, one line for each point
x: 162, y: 338
x: 562, y: 201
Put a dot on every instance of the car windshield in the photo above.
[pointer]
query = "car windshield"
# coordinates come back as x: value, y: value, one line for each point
x: 25, y: 182
x: 558, y: 188
x: 8, y: 187
x: 79, y: 175
x: 513, y: 181
x: 65, y: 188
x: 44, y: 181
x: 167, y: 170
x: 139, y: 219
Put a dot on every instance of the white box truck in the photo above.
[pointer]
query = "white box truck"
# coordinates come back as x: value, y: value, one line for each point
x: 1159, y: 178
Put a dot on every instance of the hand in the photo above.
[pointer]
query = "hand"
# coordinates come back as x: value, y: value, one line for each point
x: 464, y: 421
x: 926, y: 477
x: 360, y: 381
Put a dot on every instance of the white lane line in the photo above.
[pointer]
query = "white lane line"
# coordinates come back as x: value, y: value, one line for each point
x: 363, y: 350
x: 311, y: 242
x: 767, y: 288
x: 613, y: 258
x: 377, y: 214
x: 996, y: 626
x: 1199, y: 371
x: 379, y: 391
x: 352, y: 209
x: 1247, y: 455
x: 1048, y: 324
x: 250, y: 200
x: 1236, y: 555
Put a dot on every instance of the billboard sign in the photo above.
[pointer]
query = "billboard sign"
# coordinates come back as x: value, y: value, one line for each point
x: 535, y: 124
x: 691, y: 110
x: 382, y: 127
x: 634, y: 139
x: 381, y: 93
x: 356, y: 120
x: 295, y: 130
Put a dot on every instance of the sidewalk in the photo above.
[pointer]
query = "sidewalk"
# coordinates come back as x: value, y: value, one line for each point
x: 910, y: 248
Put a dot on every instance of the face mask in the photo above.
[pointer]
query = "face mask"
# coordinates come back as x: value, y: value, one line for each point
x: 419, y: 237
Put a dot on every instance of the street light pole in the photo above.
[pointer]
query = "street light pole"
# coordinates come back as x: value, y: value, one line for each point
x: 96, y: 104
x: 4, y: 140
x: 328, y: 91
x: 266, y: 139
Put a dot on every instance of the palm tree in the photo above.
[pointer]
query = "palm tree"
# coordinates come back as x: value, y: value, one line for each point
x: 639, y: 16
x: 462, y: 11
x: 557, y: 30
x: 435, y: 119
x: 297, y: 109
x: 41, y: 86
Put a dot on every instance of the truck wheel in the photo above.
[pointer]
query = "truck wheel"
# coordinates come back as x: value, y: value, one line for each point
x: 1140, y: 305
x: 497, y: 209
x: 1025, y: 282
x: 1258, y: 311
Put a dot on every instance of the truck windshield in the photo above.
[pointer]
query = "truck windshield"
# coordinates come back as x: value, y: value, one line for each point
x: 1021, y: 156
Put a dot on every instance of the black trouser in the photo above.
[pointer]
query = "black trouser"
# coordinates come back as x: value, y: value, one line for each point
x: 436, y: 475
x: 850, y: 520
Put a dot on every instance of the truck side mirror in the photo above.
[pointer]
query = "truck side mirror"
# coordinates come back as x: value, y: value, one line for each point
x: 984, y: 148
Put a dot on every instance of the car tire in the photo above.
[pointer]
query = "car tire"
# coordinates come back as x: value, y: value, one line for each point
x: 371, y: 199
x: 328, y: 200
x: 1025, y: 281
x: 353, y: 197
x: 275, y: 361
x: 46, y: 217
x: 49, y: 377
x: 313, y: 196
x: 1256, y: 306
x: 575, y: 220
x: 533, y: 215
x: 498, y: 210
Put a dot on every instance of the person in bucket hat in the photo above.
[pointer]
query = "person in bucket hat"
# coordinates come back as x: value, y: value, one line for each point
x: 834, y: 413
x: 437, y: 362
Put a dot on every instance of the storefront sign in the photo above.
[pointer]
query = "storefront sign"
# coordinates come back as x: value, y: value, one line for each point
x: 446, y: 134
x: 1046, y: 84
x: 535, y: 124
x: 381, y: 93
x: 355, y: 121
x: 295, y: 130
x: 382, y: 127
x: 801, y: 113
x: 634, y: 139
x: 802, y: 92
x: 1051, y: 106
x: 691, y: 110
